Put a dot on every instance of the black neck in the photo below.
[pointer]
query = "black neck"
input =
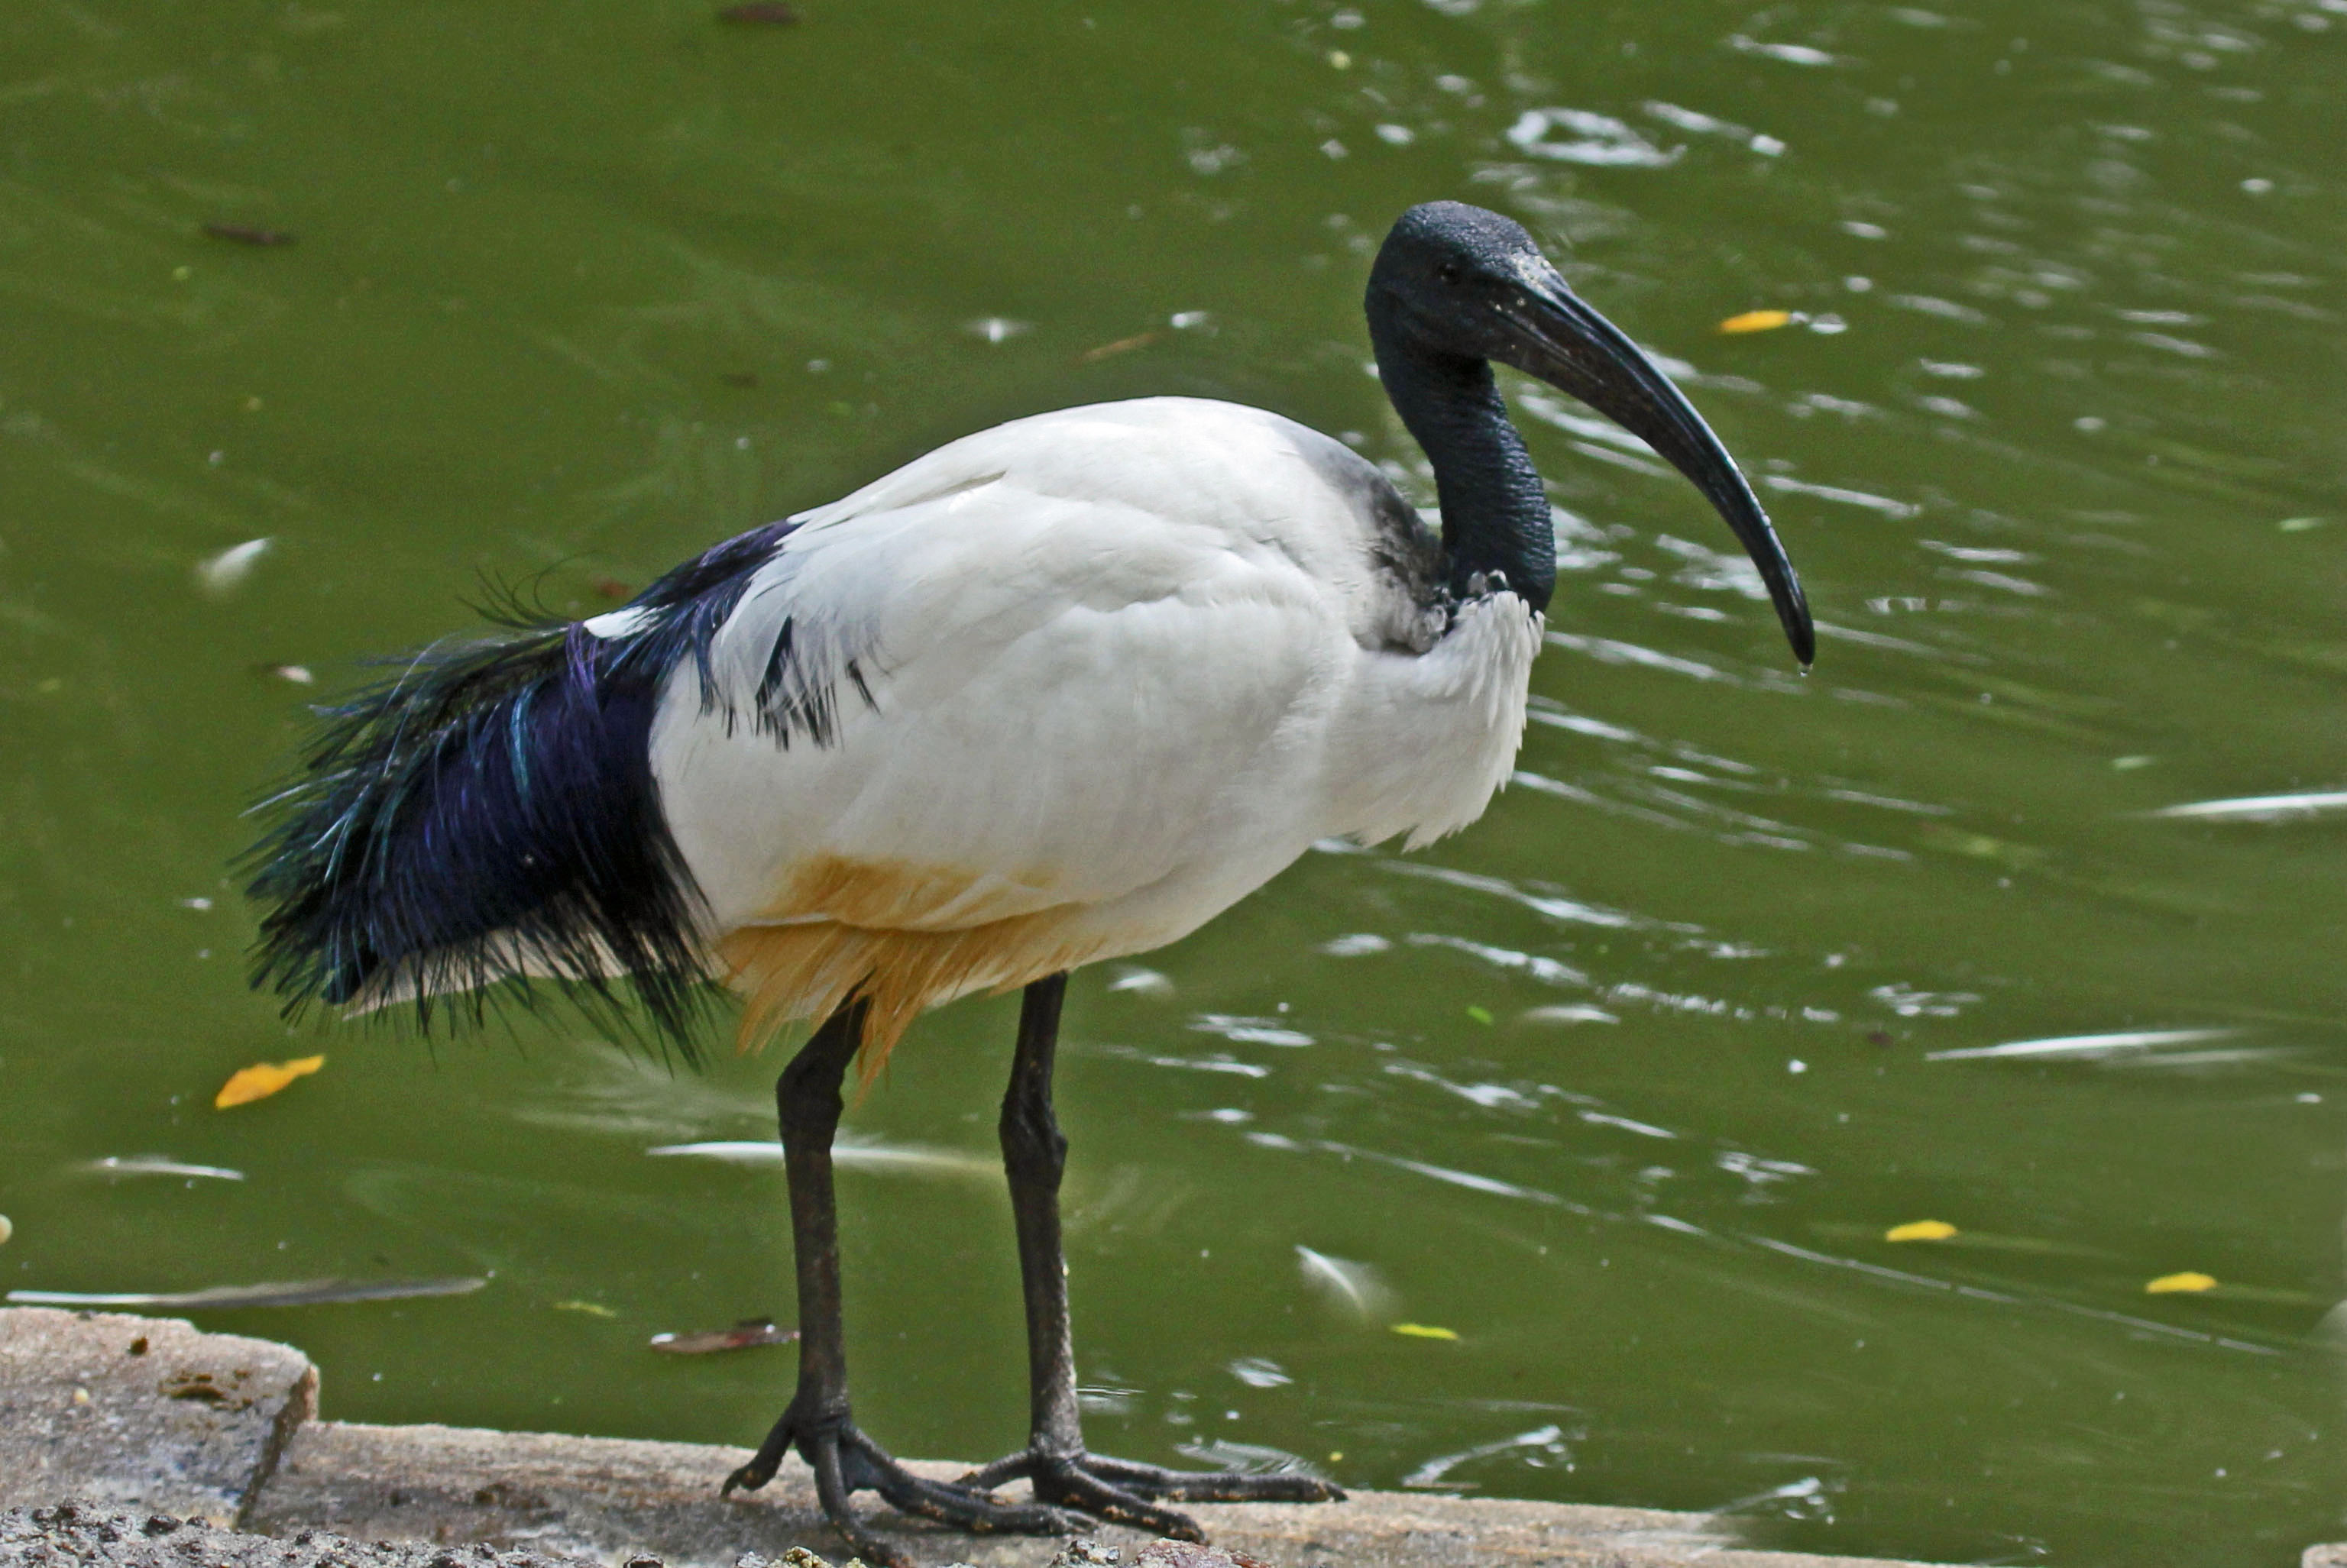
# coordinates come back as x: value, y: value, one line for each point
x: 1495, y: 515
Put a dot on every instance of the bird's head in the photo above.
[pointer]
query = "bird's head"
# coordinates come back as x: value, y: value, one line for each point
x: 1458, y: 283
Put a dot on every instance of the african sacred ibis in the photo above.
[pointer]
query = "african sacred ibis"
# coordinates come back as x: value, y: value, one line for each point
x: 1059, y: 691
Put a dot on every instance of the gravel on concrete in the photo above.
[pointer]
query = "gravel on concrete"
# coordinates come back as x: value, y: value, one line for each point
x: 92, y: 1535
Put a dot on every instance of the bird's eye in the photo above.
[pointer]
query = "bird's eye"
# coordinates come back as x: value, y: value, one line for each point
x: 1447, y: 271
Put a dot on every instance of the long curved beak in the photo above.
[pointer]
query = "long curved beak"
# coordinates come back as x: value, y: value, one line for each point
x: 1558, y: 338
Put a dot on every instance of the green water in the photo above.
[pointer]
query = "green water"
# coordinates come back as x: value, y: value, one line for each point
x: 578, y: 290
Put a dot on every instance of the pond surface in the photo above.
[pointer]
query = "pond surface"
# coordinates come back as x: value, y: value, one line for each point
x: 1624, y: 1086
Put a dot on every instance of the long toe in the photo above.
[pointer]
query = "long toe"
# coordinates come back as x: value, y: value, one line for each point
x: 1010, y: 1467
x: 1212, y: 1486
x: 980, y: 1513
x: 958, y: 1503
x: 1070, y: 1483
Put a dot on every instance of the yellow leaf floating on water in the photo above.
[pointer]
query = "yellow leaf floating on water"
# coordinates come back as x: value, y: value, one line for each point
x: 261, y: 1080
x: 1425, y: 1331
x: 1757, y: 322
x: 593, y: 1309
x: 2169, y: 1284
x: 1920, y: 1230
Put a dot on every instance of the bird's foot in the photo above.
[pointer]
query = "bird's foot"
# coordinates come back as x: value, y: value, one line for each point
x: 844, y: 1460
x: 1124, y: 1492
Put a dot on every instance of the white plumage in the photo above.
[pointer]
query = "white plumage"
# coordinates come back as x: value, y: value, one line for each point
x: 1124, y: 663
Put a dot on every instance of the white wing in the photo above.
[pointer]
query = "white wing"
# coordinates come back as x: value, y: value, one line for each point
x: 1081, y: 672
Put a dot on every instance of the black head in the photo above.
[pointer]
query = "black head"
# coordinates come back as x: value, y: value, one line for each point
x: 1454, y: 282
x: 1448, y: 274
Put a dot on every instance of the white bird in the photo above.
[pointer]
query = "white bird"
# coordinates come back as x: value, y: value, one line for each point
x: 1057, y: 692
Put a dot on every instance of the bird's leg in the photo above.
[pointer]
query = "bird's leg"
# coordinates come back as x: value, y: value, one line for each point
x: 817, y: 1422
x: 1054, y: 1462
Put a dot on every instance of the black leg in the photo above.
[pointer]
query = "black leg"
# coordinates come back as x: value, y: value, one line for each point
x: 1034, y: 1156
x: 817, y: 1423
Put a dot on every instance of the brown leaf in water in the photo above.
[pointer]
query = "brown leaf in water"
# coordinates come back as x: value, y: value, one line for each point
x: 1122, y: 346
x: 748, y: 1334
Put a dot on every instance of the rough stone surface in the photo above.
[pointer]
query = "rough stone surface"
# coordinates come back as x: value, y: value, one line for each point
x: 145, y: 1413
x: 610, y: 1498
x: 90, y: 1535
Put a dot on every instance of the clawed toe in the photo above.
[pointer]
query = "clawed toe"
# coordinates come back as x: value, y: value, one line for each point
x: 844, y: 1460
x: 1124, y: 1492
x: 1214, y: 1485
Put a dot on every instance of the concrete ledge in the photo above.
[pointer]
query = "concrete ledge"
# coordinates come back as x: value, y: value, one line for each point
x: 607, y: 1497
x: 143, y: 1412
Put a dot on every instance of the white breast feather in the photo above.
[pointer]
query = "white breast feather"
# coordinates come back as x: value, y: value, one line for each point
x: 1126, y: 662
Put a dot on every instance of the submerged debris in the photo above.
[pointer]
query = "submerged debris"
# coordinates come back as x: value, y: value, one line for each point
x: 869, y: 1155
x: 248, y: 234
x: 159, y: 1166
x: 746, y: 1335
x: 1354, y: 1288
x: 221, y: 573
x: 1122, y: 346
x: 221, y: 1297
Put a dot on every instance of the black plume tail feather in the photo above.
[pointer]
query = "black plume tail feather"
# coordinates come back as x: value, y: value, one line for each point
x: 486, y: 814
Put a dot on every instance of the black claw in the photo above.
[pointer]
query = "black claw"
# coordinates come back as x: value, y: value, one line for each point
x: 749, y: 1477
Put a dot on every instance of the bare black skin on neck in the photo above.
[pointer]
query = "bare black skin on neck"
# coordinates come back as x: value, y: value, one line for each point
x: 1495, y: 513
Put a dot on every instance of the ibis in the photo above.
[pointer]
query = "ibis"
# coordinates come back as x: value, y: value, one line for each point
x: 1058, y: 692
